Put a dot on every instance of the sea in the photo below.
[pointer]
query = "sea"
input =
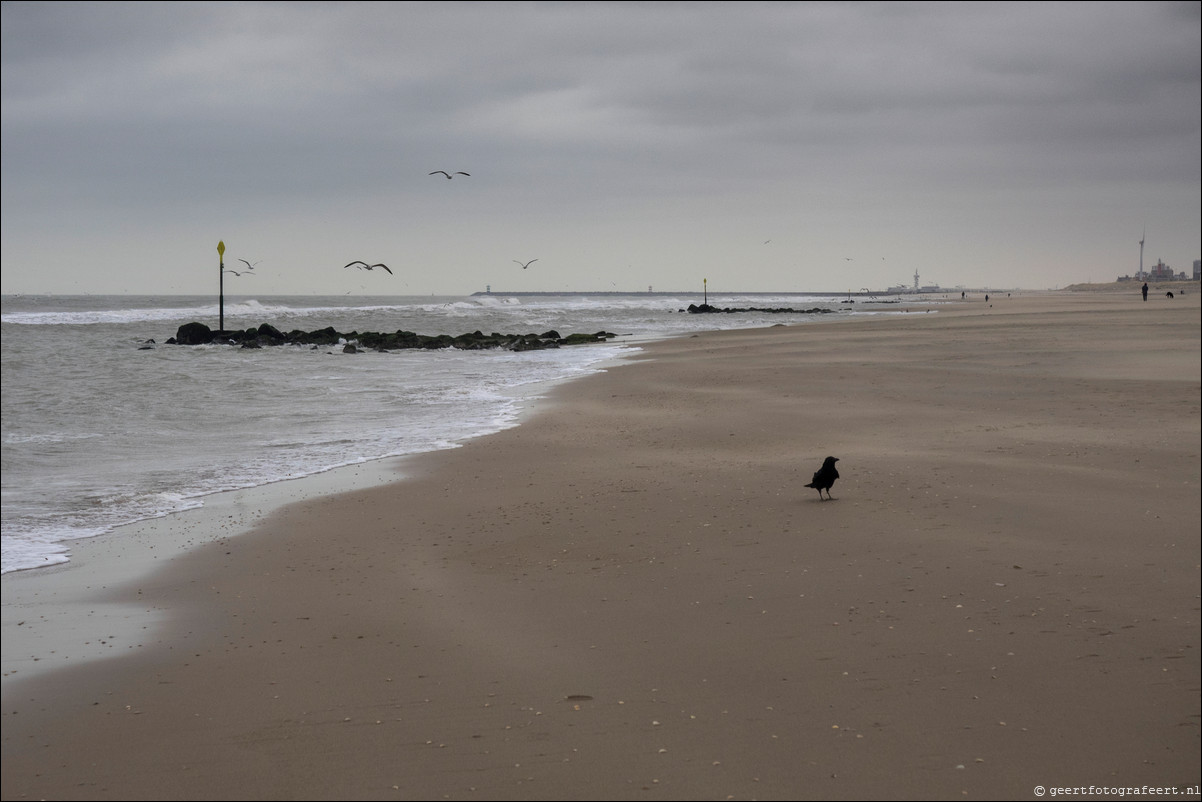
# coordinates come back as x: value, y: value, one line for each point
x: 105, y: 424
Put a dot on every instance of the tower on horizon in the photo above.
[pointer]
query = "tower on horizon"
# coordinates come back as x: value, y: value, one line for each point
x: 915, y: 279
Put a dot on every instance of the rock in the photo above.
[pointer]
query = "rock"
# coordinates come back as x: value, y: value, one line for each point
x: 270, y: 335
x: 577, y: 339
x: 358, y: 342
x: 326, y: 336
x: 194, y: 334
x: 697, y: 309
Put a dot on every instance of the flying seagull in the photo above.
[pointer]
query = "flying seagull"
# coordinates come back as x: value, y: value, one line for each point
x: 236, y: 273
x: 366, y: 266
x: 824, y: 477
x: 249, y: 266
x: 449, y: 176
x: 532, y: 261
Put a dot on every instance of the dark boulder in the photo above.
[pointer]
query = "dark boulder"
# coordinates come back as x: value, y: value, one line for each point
x: 579, y: 339
x: 194, y: 334
x: 267, y: 334
x: 326, y: 336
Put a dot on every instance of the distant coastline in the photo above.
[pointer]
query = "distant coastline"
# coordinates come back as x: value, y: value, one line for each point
x: 686, y: 293
x: 1130, y: 285
x: 1107, y: 286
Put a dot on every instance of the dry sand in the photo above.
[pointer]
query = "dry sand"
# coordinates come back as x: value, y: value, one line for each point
x: 632, y: 595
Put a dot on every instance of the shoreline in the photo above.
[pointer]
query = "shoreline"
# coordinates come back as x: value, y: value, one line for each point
x: 71, y: 599
x: 646, y: 600
x: 68, y: 597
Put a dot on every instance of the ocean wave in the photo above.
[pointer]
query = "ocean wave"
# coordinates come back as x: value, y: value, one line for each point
x: 96, y: 439
x: 189, y: 423
x: 17, y: 438
x: 94, y: 316
x: 240, y: 309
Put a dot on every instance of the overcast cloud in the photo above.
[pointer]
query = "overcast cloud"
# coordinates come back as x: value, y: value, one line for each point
x: 772, y: 147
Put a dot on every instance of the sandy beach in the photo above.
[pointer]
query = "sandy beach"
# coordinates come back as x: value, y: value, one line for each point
x: 632, y: 595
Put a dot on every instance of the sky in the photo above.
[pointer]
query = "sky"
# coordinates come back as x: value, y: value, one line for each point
x: 769, y: 147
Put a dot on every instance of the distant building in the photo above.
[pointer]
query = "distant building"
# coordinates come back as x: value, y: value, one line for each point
x: 1161, y: 272
x: 925, y: 288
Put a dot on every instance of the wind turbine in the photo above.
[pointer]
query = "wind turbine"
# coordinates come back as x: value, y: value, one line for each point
x: 1142, y: 237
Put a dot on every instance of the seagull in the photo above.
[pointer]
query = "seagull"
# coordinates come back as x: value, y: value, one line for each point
x: 532, y: 261
x: 366, y: 266
x: 249, y: 266
x: 236, y: 273
x: 449, y: 176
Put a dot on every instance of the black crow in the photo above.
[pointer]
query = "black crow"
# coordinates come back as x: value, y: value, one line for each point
x: 824, y: 477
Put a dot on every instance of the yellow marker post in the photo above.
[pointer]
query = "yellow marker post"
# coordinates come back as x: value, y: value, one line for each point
x: 705, y: 298
x: 221, y: 285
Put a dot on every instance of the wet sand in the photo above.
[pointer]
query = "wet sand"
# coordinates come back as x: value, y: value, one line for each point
x: 632, y: 595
